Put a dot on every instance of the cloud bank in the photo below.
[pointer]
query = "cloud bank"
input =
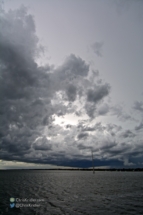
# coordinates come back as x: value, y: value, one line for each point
x: 32, y: 97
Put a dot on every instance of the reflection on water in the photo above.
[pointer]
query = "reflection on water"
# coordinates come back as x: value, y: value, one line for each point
x: 73, y: 192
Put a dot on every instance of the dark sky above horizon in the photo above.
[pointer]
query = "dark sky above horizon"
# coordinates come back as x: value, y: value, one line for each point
x: 71, y: 82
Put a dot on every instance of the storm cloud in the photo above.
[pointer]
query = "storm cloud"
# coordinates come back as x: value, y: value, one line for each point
x: 47, y: 112
x: 32, y: 95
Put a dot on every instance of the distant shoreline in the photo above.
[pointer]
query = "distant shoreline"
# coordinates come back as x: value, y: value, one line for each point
x: 83, y: 169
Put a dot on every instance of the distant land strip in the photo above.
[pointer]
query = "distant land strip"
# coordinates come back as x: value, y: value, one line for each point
x: 83, y: 169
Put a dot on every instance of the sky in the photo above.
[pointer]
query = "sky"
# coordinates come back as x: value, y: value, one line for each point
x: 71, y: 77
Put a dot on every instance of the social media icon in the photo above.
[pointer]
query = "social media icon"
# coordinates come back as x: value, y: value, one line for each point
x: 12, y: 205
x: 12, y: 199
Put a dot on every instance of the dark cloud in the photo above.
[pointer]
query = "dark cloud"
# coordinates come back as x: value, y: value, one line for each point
x: 94, y: 96
x: 72, y: 68
x: 82, y: 135
x: 103, y: 109
x: 76, y: 66
x: 106, y: 147
x: 68, y: 126
x: 97, y: 48
x: 88, y: 128
x: 128, y: 133
x: 111, y: 128
x: 71, y: 92
x: 90, y: 110
x: 24, y: 88
x: 32, y: 97
x: 98, y: 126
x: 138, y: 106
x: 69, y: 79
x: 78, y: 113
x: 98, y: 93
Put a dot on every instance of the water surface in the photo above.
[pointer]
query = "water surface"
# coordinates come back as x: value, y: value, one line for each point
x: 73, y: 192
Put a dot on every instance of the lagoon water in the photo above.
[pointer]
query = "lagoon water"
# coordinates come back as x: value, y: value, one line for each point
x: 71, y: 192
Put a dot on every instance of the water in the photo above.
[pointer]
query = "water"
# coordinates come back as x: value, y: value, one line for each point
x: 73, y: 192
